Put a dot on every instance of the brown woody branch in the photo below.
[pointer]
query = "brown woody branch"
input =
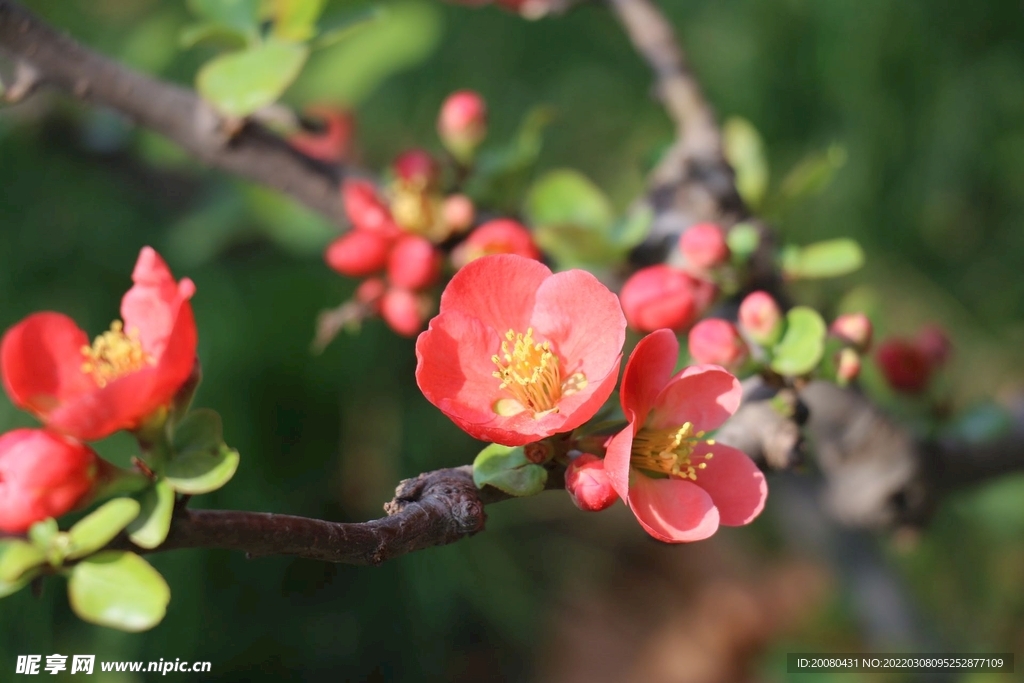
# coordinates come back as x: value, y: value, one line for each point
x: 46, y: 57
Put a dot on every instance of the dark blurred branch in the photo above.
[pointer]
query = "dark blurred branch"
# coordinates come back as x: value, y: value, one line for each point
x: 253, y: 152
x: 435, y: 508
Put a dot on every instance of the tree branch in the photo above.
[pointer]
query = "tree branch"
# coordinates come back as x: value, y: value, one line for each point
x: 179, y: 114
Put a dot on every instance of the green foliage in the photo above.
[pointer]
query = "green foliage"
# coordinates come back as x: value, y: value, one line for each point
x: 201, y: 462
x: 16, y: 559
x: 239, y: 83
x: 119, y: 590
x: 744, y: 149
x: 150, y: 528
x: 802, y: 344
x: 507, y: 469
x: 295, y: 19
x: 502, y: 172
x: 832, y: 258
x: 100, y: 527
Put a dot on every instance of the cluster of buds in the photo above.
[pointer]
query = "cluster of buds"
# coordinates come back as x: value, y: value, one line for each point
x: 908, y: 365
x: 396, y: 244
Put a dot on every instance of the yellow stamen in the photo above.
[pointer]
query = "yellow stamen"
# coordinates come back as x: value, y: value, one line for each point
x: 114, y: 354
x: 531, y: 373
x: 418, y: 211
x: 670, y: 451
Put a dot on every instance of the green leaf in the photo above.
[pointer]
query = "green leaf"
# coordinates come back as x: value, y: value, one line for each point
x: 10, y: 588
x: 242, y: 15
x: 212, y: 32
x: 41, y: 533
x: 242, y: 82
x: 101, y: 526
x: 744, y: 149
x: 813, y: 174
x: 16, y: 558
x: 342, y: 30
x: 200, y: 430
x: 150, y: 528
x: 567, y: 197
x: 743, y: 241
x: 200, y: 471
x: 296, y: 19
x: 631, y: 229
x: 119, y: 590
x: 831, y: 258
x: 802, y: 345
x: 508, y: 470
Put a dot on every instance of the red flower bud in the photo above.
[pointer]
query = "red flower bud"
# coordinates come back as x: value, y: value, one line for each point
x: 459, y: 212
x: 366, y: 210
x: 42, y: 475
x: 416, y: 167
x: 761, y: 318
x: 462, y: 123
x: 847, y: 366
x: 330, y: 145
x: 587, y: 484
x: 704, y: 246
x: 405, y: 312
x: 662, y: 296
x: 500, y: 236
x: 414, y: 263
x: 717, y: 342
x: 905, y: 366
x: 855, y: 329
x: 934, y: 343
x: 369, y: 292
x: 358, y: 253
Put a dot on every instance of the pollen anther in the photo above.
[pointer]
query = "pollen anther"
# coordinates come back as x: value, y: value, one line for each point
x: 671, y: 451
x: 531, y: 373
x: 114, y: 354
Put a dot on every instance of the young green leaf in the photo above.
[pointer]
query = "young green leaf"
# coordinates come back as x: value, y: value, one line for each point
x: 200, y: 430
x: 295, y: 19
x: 16, y: 558
x: 150, y: 528
x: 242, y: 15
x: 508, y: 470
x: 830, y: 258
x: 118, y: 590
x: 801, y: 347
x: 240, y: 83
x: 195, y: 472
x: 744, y: 149
x: 100, y: 527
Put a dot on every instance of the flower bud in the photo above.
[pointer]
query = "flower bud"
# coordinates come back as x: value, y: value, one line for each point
x: 904, y: 365
x: 416, y: 167
x: 662, y: 296
x: 847, y: 366
x: 587, y: 484
x: 703, y: 245
x: 369, y: 293
x: 358, y: 253
x: 331, y: 144
x: 366, y: 210
x: 42, y: 475
x: 414, y: 263
x: 462, y: 123
x: 405, y: 312
x: 459, y: 212
x: 934, y: 343
x: 717, y: 341
x: 500, y: 236
x: 855, y: 329
x: 761, y: 318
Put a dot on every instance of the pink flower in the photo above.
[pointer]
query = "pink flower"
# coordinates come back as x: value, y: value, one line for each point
x: 662, y: 296
x: 414, y: 263
x: 680, y: 485
x: 127, y: 374
x: 518, y: 354
x: 499, y: 236
x: 760, y: 317
x: 587, y: 484
x: 42, y: 475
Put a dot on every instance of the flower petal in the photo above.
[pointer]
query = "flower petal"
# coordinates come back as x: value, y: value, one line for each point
x: 616, y: 461
x: 41, y: 360
x: 706, y: 395
x: 672, y: 510
x: 500, y: 290
x: 583, y: 321
x: 735, y: 484
x: 151, y: 305
x: 647, y: 372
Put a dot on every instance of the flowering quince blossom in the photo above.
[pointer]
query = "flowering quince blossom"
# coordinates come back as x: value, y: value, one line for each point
x: 127, y: 374
x: 679, y: 485
x: 517, y: 353
x: 42, y: 475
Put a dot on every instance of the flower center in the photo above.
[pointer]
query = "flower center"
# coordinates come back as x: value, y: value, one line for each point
x: 417, y: 210
x: 531, y: 373
x: 114, y: 354
x: 670, y: 451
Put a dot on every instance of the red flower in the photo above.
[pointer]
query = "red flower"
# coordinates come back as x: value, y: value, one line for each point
x: 367, y: 210
x: 404, y: 311
x: 905, y: 365
x: 500, y: 236
x: 518, y: 354
x: 704, y: 246
x: 414, y: 263
x: 680, y: 485
x: 358, y: 253
x: 129, y: 372
x: 717, y: 341
x: 661, y: 296
x: 42, y: 475
x: 587, y: 484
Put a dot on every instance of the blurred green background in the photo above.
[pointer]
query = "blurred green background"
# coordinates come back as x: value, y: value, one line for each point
x: 926, y: 97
